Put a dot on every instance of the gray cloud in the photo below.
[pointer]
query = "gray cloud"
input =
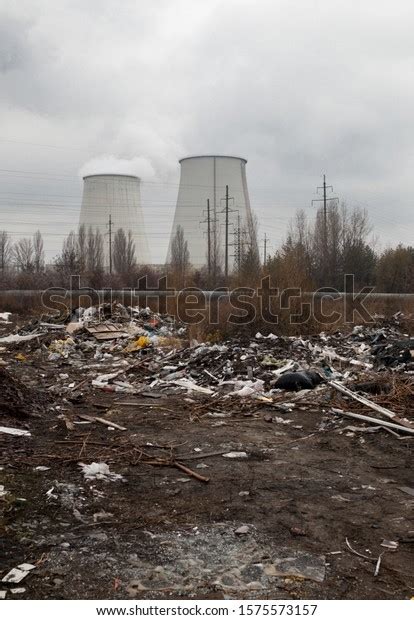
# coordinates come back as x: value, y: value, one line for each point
x: 298, y: 87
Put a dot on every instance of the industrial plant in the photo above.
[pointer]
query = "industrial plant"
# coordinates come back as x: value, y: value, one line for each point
x: 212, y: 213
x: 111, y: 202
x: 213, y: 210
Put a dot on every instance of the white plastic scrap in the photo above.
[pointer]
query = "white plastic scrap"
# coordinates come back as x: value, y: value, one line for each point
x: 17, y: 338
x: 243, y: 529
x: 16, y: 575
x: 190, y: 385
x: 269, y: 336
x: 247, y: 388
x: 99, y: 471
x: 8, y: 430
x: 235, y: 455
x: 87, y: 314
x: 3, y: 594
x: 4, y: 316
x: 279, y: 371
x: 102, y: 382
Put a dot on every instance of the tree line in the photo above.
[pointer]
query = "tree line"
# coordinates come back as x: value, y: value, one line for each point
x: 315, y: 253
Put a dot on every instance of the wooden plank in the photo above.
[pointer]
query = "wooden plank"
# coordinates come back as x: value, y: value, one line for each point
x: 105, y: 331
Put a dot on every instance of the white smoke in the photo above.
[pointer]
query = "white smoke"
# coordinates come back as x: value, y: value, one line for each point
x: 109, y: 164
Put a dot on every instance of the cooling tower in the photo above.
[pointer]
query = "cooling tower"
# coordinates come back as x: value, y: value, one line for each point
x: 203, y: 178
x: 115, y: 196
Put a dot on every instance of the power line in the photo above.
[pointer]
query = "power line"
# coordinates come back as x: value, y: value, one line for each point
x: 325, y: 209
x: 49, y: 146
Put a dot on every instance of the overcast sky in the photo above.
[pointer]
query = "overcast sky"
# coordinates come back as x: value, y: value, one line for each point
x: 298, y: 87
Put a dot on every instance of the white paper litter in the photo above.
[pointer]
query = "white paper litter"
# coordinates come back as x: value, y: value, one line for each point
x: 235, y: 455
x: 269, y: 336
x: 190, y: 385
x: 102, y: 380
x: 17, y: 338
x: 99, y: 471
x: 247, y: 388
x: 4, y: 316
x: 8, y: 430
x: 16, y: 575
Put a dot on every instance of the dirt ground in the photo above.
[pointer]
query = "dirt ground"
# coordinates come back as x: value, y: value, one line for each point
x: 270, y: 524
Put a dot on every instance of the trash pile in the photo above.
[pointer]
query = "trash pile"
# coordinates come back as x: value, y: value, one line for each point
x: 134, y: 350
x: 198, y: 444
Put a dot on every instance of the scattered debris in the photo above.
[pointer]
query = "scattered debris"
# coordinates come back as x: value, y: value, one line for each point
x: 377, y: 565
x: 14, y: 431
x: 16, y: 338
x: 235, y: 455
x: 390, y: 544
x: 16, y: 575
x: 361, y: 399
x: 99, y: 471
x: 243, y: 529
x: 252, y: 401
x: 408, y: 490
x: 106, y: 331
x: 376, y: 421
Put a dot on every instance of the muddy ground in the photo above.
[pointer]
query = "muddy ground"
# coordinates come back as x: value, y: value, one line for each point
x: 304, y: 487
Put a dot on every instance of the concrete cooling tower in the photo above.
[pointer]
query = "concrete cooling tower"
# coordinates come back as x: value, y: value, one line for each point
x: 115, y: 196
x: 205, y: 178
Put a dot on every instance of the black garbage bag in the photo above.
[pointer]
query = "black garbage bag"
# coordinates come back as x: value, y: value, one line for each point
x: 295, y: 381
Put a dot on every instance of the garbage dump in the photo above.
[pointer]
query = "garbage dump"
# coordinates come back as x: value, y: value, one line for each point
x: 293, y: 452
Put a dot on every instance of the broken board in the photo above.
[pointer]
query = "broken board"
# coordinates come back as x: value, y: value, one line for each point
x: 105, y: 331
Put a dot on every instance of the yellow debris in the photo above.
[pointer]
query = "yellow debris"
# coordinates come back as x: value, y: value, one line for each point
x: 141, y: 343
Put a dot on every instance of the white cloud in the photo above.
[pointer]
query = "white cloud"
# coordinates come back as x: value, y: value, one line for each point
x: 110, y: 164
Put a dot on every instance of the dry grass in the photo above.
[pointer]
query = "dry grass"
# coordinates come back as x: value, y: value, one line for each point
x: 218, y: 319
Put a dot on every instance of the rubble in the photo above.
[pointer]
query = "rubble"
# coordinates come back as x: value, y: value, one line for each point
x: 127, y: 395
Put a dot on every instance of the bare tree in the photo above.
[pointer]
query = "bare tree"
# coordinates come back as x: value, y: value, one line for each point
x: 38, y: 252
x: 321, y: 255
x: 82, y: 248
x: 68, y: 261
x: 5, y: 250
x: 123, y: 252
x: 23, y: 255
x: 395, y: 270
x: 180, y: 256
x: 94, y: 252
x: 344, y: 249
